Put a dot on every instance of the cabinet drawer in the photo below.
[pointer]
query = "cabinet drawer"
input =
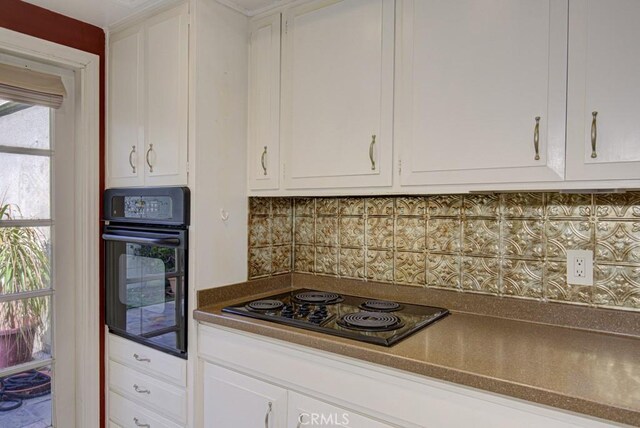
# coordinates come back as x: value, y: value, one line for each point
x: 168, y: 400
x: 127, y: 414
x: 155, y: 363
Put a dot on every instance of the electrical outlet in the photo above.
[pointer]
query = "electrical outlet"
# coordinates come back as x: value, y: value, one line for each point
x: 580, y: 267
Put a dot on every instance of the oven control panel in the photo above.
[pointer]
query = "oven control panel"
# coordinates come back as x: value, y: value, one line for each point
x: 142, y: 207
x: 158, y: 207
x: 167, y: 206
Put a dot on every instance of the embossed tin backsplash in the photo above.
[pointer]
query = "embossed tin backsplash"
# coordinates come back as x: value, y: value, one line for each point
x: 511, y: 244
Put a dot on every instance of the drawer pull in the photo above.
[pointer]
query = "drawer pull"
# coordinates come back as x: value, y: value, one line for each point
x: 594, y: 134
x: 262, y: 158
x: 267, y: 416
x: 131, y: 153
x: 536, y: 138
x: 141, y: 359
x: 147, y: 157
x: 141, y: 391
x: 138, y: 424
x: 373, y: 162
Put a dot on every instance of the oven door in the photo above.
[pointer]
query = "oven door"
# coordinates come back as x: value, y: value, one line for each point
x: 145, y: 286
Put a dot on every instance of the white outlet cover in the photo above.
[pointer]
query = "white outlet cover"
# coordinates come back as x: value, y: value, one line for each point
x: 587, y: 255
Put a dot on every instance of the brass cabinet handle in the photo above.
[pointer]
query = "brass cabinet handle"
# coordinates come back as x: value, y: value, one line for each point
x: 594, y: 134
x: 141, y: 425
x: 262, y: 158
x: 141, y: 391
x: 267, y: 416
x: 373, y: 162
x: 147, y: 157
x: 142, y: 359
x: 131, y: 153
x: 536, y: 138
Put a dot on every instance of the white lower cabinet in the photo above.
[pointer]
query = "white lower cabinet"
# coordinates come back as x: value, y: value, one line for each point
x: 235, y: 400
x: 232, y: 399
x: 127, y: 414
x: 146, y: 387
x: 160, y: 396
x: 147, y: 360
x: 252, y: 381
x: 306, y: 411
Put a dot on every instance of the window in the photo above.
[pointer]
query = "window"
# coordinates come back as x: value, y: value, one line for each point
x: 26, y: 233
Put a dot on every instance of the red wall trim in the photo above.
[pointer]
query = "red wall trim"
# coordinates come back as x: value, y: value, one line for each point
x: 44, y: 24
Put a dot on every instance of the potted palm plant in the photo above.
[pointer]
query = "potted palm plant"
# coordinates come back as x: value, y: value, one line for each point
x: 24, y: 267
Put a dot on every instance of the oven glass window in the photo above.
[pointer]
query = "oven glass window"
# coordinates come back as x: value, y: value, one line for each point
x: 148, y: 297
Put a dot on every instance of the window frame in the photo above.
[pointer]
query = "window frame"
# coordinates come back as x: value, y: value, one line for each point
x: 48, y: 292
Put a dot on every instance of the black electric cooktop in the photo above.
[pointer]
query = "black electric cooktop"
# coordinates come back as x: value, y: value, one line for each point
x: 375, y: 321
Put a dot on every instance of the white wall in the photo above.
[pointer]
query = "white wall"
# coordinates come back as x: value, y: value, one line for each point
x: 217, y: 148
x: 218, y: 73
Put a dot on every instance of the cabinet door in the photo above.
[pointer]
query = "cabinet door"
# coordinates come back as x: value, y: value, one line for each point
x: 337, y: 94
x: 125, y: 147
x: 604, y: 78
x: 307, y: 411
x: 473, y: 76
x: 166, y: 51
x: 264, y: 103
x: 235, y: 400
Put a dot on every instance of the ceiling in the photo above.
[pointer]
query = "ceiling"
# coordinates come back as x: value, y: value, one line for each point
x: 253, y: 7
x: 104, y: 13
x: 100, y: 13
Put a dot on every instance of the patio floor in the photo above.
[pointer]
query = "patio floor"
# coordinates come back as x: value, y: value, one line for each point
x: 34, y: 413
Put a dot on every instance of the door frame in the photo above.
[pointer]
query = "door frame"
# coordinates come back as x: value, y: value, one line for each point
x: 87, y: 207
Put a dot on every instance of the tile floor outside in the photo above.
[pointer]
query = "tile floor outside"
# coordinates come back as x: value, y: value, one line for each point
x: 34, y: 413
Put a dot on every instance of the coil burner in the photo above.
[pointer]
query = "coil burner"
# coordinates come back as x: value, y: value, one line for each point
x: 370, y: 321
x: 380, y: 306
x: 265, y: 305
x: 318, y: 298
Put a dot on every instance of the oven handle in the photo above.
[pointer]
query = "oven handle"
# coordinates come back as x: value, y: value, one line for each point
x: 167, y: 242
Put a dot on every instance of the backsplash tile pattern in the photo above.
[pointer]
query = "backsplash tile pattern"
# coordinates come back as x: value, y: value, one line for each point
x: 270, y: 236
x: 511, y: 244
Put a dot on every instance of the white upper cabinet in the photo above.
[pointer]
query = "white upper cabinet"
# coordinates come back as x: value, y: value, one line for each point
x: 603, y: 139
x: 264, y: 103
x: 126, y: 130
x: 481, y: 91
x: 337, y: 94
x: 167, y: 47
x: 148, y: 102
x: 448, y: 94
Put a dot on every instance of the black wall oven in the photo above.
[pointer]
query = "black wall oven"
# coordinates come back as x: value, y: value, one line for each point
x: 146, y: 258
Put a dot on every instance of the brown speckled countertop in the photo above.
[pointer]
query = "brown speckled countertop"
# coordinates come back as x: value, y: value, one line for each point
x: 580, y: 370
